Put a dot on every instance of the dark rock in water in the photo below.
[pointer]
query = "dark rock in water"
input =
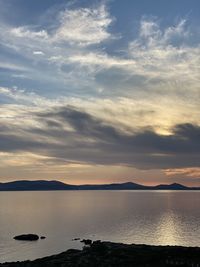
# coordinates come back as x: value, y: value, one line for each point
x: 27, y: 237
x: 87, y: 241
x: 76, y: 239
x: 42, y: 237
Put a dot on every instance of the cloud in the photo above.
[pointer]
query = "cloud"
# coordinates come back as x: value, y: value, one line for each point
x: 166, y: 54
x: 188, y: 172
x: 124, y: 113
x: 38, y: 53
x: 12, y: 67
x: 25, y: 32
x: 65, y: 85
x: 151, y: 32
x: 45, y: 50
x: 101, y: 59
x: 84, y: 26
x: 71, y: 56
x: 73, y: 135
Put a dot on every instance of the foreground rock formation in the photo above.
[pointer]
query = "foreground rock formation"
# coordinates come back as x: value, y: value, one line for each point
x: 107, y: 254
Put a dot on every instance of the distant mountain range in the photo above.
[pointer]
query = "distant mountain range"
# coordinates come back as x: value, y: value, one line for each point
x: 43, y: 185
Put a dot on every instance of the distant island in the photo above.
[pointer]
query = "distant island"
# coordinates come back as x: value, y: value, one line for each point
x: 43, y: 185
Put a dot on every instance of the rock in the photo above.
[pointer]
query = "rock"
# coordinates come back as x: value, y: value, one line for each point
x: 110, y: 254
x: 75, y: 239
x: 27, y: 237
x: 87, y: 241
x: 99, y: 247
x: 42, y: 237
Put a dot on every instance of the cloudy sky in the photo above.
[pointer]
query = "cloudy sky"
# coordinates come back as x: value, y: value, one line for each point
x: 100, y: 91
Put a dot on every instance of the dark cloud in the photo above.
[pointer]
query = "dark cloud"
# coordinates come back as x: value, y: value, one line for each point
x: 12, y: 142
x: 92, y: 140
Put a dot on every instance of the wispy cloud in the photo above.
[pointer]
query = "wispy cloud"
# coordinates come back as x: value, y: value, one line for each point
x: 158, y: 57
x: 188, y: 172
x: 84, y: 26
x: 166, y: 54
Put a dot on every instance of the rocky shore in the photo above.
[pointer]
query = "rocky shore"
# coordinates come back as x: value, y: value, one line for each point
x: 108, y: 254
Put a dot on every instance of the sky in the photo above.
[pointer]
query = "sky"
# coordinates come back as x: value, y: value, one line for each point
x: 100, y: 91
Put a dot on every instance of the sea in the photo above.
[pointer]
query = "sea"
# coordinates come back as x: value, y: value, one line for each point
x: 140, y: 217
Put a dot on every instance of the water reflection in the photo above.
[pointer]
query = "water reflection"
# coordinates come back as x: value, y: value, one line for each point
x: 165, y: 217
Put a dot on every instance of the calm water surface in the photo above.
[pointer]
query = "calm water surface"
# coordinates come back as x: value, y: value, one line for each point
x: 150, y: 217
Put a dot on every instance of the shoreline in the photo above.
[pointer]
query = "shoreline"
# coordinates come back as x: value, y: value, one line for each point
x: 107, y: 254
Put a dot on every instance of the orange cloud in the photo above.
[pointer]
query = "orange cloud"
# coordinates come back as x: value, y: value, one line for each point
x: 189, y: 172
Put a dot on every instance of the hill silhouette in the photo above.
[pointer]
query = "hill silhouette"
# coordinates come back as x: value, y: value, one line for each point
x: 43, y: 185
